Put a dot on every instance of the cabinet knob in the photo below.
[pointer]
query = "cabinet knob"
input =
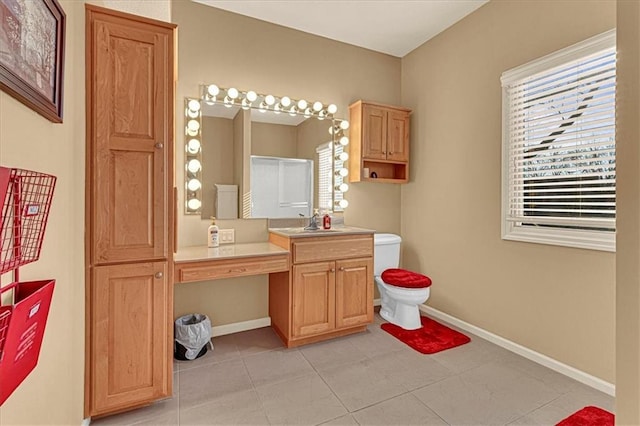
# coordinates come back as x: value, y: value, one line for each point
x: 342, y: 268
x: 158, y: 275
x: 332, y: 270
x: 391, y: 153
x: 159, y: 145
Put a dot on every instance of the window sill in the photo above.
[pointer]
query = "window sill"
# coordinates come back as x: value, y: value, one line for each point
x: 589, y: 240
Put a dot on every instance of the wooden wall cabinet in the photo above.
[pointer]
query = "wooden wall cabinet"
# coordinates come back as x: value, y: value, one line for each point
x: 129, y: 221
x: 379, y: 142
x: 329, y: 291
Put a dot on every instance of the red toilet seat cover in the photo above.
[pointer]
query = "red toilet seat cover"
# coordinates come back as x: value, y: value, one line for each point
x: 404, y: 278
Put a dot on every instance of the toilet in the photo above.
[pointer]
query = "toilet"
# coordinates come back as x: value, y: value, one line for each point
x: 401, y: 291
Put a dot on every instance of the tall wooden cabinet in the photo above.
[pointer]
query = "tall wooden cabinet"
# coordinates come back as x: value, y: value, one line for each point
x: 129, y: 293
x: 379, y: 143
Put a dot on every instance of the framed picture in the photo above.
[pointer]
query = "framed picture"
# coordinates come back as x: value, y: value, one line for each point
x: 32, y: 54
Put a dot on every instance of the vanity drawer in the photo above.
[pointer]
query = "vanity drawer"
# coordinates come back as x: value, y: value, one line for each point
x: 324, y: 248
x: 230, y: 268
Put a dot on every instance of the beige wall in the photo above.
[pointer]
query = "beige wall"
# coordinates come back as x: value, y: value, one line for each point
x: 269, y: 58
x: 557, y: 301
x: 273, y: 140
x: 628, y: 218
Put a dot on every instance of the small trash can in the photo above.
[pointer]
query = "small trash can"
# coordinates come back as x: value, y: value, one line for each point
x: 192, y: 334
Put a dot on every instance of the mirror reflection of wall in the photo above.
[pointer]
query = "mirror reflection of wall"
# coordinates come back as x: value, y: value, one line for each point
x: 230, y: 136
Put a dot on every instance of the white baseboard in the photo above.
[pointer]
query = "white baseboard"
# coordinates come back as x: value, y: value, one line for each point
x: 530, y: 354
x: 236, y: 327
x: 86, y: 422
x: 377, y: 302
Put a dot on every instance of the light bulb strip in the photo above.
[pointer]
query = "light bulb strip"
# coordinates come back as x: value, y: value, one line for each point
x: 193, y: 156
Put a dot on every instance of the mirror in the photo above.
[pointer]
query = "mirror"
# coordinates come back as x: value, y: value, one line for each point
x: 289, y: 154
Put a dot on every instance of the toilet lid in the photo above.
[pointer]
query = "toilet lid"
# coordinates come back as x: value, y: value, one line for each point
x: 404, y: 278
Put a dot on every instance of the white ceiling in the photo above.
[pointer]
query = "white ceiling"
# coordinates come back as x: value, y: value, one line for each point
x: 395, y: 27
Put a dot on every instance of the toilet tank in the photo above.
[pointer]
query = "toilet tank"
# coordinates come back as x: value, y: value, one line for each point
x: 386, y: 252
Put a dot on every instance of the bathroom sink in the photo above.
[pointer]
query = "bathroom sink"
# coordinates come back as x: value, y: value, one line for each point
x: 301, y: 230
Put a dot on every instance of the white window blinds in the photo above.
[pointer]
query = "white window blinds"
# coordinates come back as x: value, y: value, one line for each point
x: 559, y: 140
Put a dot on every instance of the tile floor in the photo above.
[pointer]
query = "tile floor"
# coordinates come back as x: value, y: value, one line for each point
x: 366, y: 379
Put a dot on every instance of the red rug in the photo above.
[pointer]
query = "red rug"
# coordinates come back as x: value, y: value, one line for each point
x: 431, y: 338
x: 589, y: 416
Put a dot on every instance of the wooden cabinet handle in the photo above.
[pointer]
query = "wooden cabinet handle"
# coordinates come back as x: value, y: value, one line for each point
x: 237, y: 270
x: 158, y: 275
x: 391, y: 153
x: 342, y: 268
x: 159, y: 145
x: 332, y: 270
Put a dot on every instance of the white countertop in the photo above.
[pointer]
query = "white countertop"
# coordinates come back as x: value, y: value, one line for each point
x: 335, y: 231
x: 226, y: 251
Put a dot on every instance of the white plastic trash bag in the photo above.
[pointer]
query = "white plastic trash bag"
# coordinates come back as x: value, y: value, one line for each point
x: 193, y: 333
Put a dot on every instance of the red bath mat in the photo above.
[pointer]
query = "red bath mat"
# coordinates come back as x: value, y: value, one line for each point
x: 431, y: 338
x: 589, y: 416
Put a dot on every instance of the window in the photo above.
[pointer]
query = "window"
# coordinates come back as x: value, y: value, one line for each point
x: 558, y: 156
x: 327, y: 179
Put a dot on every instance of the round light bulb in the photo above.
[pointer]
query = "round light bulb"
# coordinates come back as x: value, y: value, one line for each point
x: 252, y: 96
x: 194, y: 204
x: 194, y: 105
x: 233, y: 93
x: 343, y: 156
x: 285, y: 101
x: 343, y: 187
x: 344, y: 141
x: 332, y: 109
x: 293, y: 111
x: 193, y: 125
x: 228, y: 102
x: 246, y: 104
x: 213, y: 90
x: 193, y: 185
x: 344, y: 124
x: 343, y: 172
x: 194, y: 166
x: 193, y: 146
x: 270, y: 100
x: 332, y: 130
x: 343, y: 203
x: 302, y: 104
x: 276, y: 109
x: 317, y: 106
x: 308, y: 112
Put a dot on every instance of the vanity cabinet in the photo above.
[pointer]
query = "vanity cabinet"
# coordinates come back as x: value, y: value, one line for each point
x: 327, y: 293
x: 379, y: 142
x: 129, y: 218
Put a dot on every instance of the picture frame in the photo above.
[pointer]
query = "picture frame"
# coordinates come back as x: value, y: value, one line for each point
x: 32, y: 39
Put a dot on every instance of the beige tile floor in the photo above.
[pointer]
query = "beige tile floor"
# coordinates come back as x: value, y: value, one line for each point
x: 366, y: 379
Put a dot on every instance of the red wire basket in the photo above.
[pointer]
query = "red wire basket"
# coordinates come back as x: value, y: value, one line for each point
x: 26, y: 197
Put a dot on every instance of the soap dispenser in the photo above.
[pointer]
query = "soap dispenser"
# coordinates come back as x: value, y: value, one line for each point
x: 212, y: 234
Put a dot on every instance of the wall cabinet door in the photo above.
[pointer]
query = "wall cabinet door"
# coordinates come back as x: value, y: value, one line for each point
x: 313, y: 296
x: 354, y: 292
x: 397, y: 135
x: 374, y: 132
x: 130, y: 335
x: 130, y: 135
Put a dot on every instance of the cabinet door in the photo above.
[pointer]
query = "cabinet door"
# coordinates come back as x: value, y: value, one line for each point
x: 374, y: 132
x: 313, y: 298
x: 131, y: 110
x: 398, y: 136
x: 129, y: 336
x: 354, y: 292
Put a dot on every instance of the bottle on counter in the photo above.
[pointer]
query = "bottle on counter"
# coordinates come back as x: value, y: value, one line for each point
x: 326, y: 221
x: 212, y: 234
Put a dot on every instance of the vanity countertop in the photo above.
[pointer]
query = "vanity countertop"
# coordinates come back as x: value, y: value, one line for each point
x: 226, y: 251
x: 335, y: 231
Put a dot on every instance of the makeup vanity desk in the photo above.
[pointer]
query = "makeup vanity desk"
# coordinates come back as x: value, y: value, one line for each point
x: 201, y: 263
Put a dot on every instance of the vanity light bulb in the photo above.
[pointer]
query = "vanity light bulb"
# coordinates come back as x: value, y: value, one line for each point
x: 342, y: 172
x: 293, y: 111
x: 343, y: 156
x: 194, y: 105
x: 270, y: 100
x: 276, y: 108
x: 302, y: 104
x: 193, y: 185
x: 194, y: 166
x: 308, y: 112
x: 213, y: 90
x: 343, y: 203
x: 344, y: 141
x: 191, y: 113
x: 194, y: 204
x: 252, y: 96
x: 233, y: 92
x: 246, y: 104
x: 262, y: 107
x: 193, y: 125
x: 343, y: 187
x: 228, y: 102
x: 193, y: 146
x: 285, y: 101
x: 344, y: 124
x: 322, y: 115
x: 332, y: 109
x: 317, y: 106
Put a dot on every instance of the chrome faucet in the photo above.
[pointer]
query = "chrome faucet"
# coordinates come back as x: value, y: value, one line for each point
x: 313, y: 222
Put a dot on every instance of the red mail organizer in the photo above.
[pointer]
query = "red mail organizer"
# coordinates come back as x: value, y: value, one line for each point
x: 24, y: 306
